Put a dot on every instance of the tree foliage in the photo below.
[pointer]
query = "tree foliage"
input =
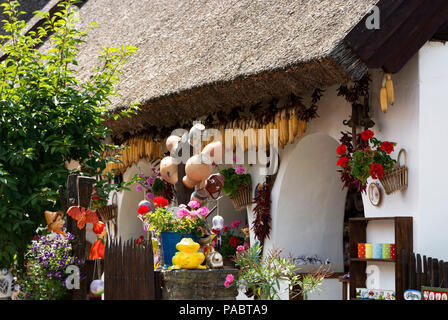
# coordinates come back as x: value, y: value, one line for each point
x: 48, y: 117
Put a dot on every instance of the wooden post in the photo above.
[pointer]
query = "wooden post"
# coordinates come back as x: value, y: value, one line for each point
x: 79, y: 192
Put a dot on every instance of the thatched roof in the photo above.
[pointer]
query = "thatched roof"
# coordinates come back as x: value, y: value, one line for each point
x: 198, y: 56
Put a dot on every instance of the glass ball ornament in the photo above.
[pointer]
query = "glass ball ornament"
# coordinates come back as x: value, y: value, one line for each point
x: 145, y: 203
x: 218, y: 222
x: 97, y: 287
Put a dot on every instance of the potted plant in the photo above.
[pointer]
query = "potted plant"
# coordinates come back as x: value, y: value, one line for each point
x: 47, y: 260
x: 370, y: 158
x: 237, y: 185
x: 274, y: 277
x: 173, y: 224
x: 230, y: 242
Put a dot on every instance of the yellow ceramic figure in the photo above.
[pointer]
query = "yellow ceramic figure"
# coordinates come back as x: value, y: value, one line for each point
x: 187, y: 257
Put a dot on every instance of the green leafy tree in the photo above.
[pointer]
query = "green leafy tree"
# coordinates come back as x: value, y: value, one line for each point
x: 48, y: 117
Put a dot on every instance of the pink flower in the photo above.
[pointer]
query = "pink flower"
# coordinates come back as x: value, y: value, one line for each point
x: 193, y: 213
x: 138, y: 188
x: 182, y: 212
x: 239, y: 169
x: 236, y: 223
x: 204, y: 211
x: 240, y: 248
x: 194, y: 204
x: 150, y: 180
x: 229, y: 280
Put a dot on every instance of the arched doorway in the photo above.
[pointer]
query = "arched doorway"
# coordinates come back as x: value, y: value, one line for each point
x: 308, y: 202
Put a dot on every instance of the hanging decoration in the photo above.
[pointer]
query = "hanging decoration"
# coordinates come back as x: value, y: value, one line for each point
x: 97, y: 250
x: 55, y: 221
x: 262, y: 222
x: 82, y: 215
x: 387, y: 92
x: 358, y: 96
x: 289, y: 118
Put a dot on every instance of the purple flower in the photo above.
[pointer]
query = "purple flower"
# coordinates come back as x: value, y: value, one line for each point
x: 138, y: 188
x: 149, y: 196
x: 239, y: 169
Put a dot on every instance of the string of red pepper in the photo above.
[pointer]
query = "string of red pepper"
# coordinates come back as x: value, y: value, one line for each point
x: 262, y: 223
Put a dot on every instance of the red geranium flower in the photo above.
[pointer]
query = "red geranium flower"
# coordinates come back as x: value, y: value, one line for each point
x: 160, y: 202
x: 341, y: 149
x: 143, y: 210
x: 342, y: 161
x: 376, y: 171
x: 367, y: 134
x: 387, y: 146
x: 234, y: 241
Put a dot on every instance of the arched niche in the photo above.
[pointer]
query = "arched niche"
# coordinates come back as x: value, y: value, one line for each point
x: 308, y: 201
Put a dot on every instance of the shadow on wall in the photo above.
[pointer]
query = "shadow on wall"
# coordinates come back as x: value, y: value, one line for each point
x: 308, y: 202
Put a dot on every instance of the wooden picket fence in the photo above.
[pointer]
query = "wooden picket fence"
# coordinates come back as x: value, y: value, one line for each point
x: 128, y: 270
x: 418, y: 272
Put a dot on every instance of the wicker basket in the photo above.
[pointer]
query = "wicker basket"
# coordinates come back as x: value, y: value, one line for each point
x: 243, y: 198
x: 397, y: 178
x: 109, y: 215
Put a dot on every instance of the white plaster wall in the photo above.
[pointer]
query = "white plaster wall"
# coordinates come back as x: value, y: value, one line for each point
x: 129, y: 226
x: 431, y: 230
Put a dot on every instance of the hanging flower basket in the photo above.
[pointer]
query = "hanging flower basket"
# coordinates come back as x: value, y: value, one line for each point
x: 397, y: 178
x: 244, y: 196
x: 109, y: 212
x: 109, y: 215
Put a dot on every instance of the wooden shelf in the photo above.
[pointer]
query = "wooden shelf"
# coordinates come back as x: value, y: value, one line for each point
x: 358, y: 234
x: 376, y: 218
x: 371, y: 259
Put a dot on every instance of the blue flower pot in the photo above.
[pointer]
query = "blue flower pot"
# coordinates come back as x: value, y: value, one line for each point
x: 169, y: 241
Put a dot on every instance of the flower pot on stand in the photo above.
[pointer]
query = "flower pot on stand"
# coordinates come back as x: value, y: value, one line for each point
x: 169, y: 241
x: 243, y: 197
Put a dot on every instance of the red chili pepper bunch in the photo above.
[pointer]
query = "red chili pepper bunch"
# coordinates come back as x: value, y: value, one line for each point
x: 262, y: 223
